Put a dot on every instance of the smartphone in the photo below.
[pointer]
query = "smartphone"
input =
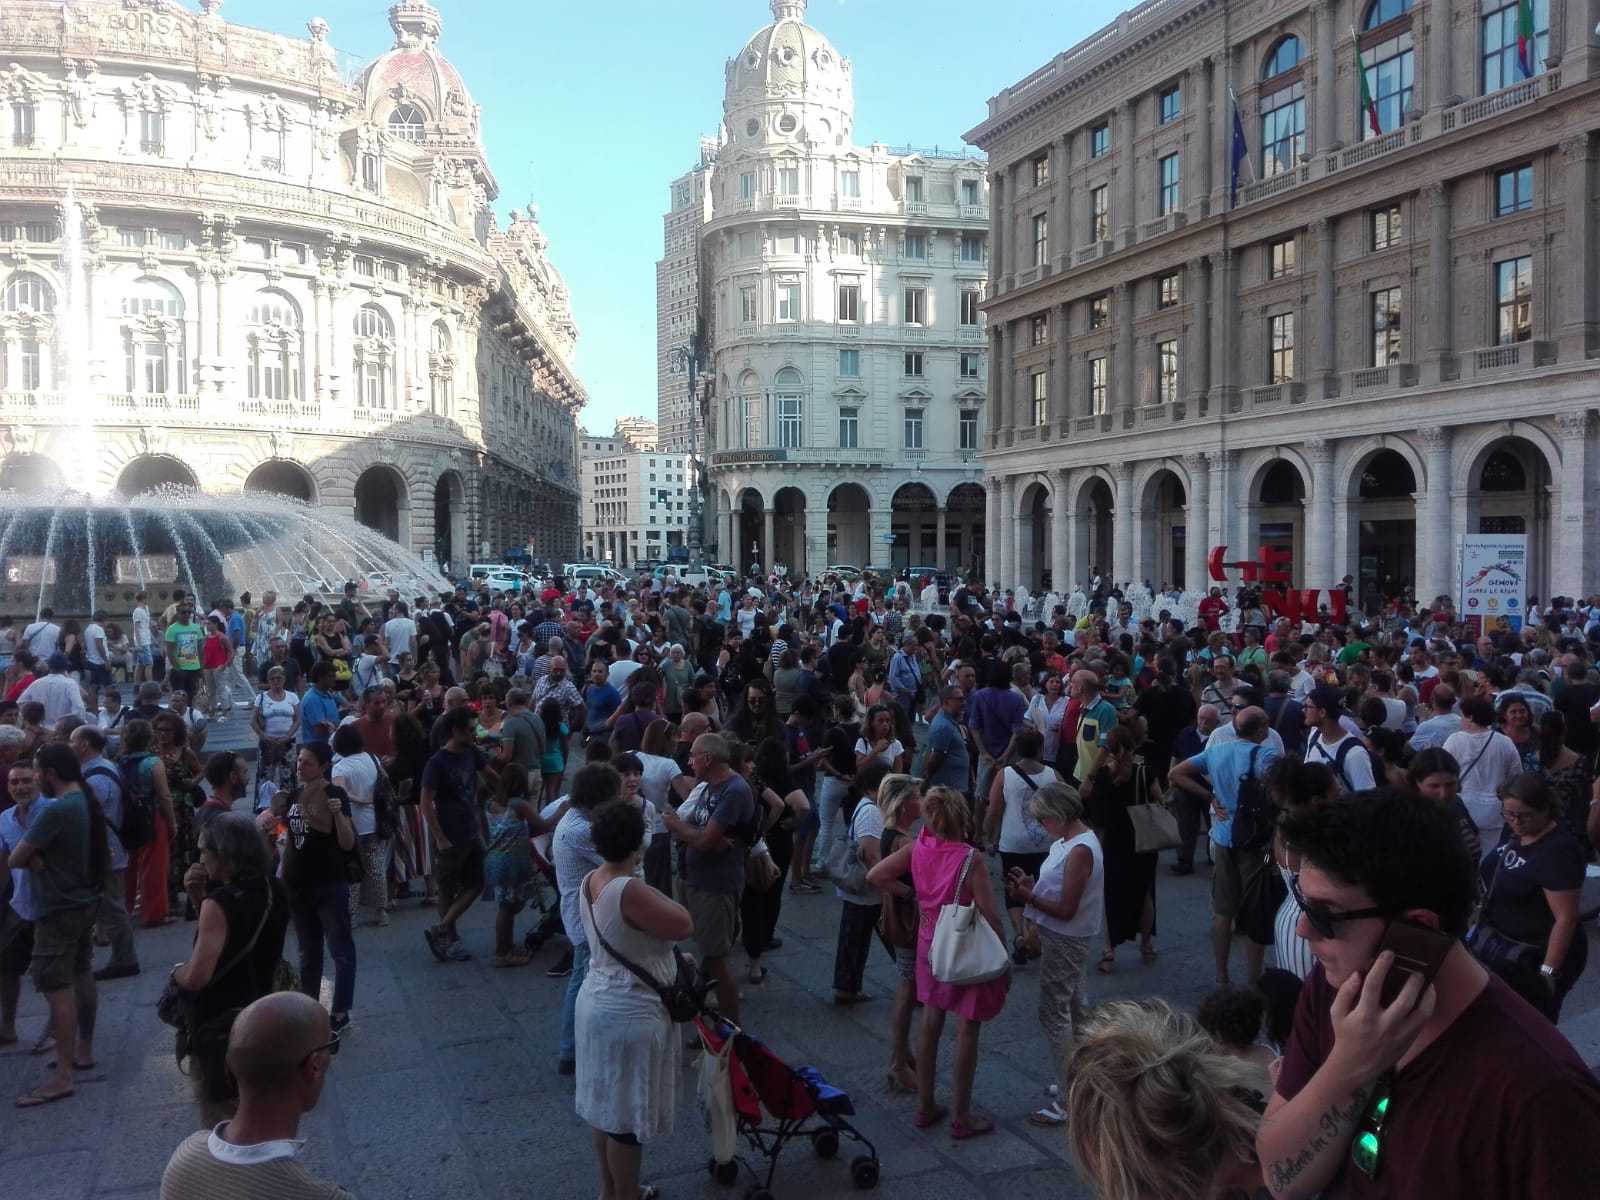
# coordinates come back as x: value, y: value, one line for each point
x: 1418, y: 950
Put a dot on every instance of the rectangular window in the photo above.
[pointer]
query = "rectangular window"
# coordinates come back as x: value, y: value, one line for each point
x: 1280, y: 347
x: 1099, y: 312
x: 747, y: 244
x: 1099, y: 392
x: 1171, y: 188
x: 787, y: 241
x: 790, y: 421
x: 1386, y: 227
x: 970, y: 365
x: 850, y: 243
x: 916, y: 306
x: 1504, y: 64
x: 913, y: 429
x: 174, y: 239
x: 1041, y: 239
x: 789, y: 181
x: 917, y: 245
x: 1513, y: 190
x: 749, y: 306
x: 364, y: 266
x: 914, y: 189
x: 1283, y: 130
x: 913, y: 364
x: 972, y: 247
x: 22, y: 124
x: 969, y: 429
x: 1166, y: 372
x: 1039, y: 395
x: 1099, y: 140
x: 1280, y: 258
x: 1513, y: 287
x: 130, y: 237
x: 1386, y: 311
x: 849, y: 303
x: 788, y: 302
x: 1099, y: 214
x: 850, y: 185
x: 849, y: 428
x: 747, y: 185
x: 371, y: 174
x: 1041, y: 170
x: 1169, y: 291
x: 969, y: 306
x: 969, y: 192
x: 1171, y: 104
x: 152, y: 132
x: 850, y: 362
x: 1038, y: 329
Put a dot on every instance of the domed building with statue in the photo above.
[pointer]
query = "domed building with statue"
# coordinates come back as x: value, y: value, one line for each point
x: 239, y: 261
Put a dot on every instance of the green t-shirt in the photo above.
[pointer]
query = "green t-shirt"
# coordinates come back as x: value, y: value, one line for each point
x: 185, y: 642
x: 61, y: 835
x: 1352, y: 653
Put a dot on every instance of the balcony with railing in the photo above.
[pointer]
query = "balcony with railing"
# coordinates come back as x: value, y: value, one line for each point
x: 1390, y: 377
x: 1498, y: 360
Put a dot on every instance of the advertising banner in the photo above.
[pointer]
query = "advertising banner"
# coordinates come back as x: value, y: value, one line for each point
x: 1494, y: 583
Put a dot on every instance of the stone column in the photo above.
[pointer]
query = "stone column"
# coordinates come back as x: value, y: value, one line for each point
x: 1318, y: 556
x: 1061, y: 567
x: 1021, y: 248
x: 1129, y: 205
x: 1578, y: 327
x: 1436, y: 82
x: 1127, y: 339
x: 1123, y: 568
x: 1197, y: 151
x: 1572, y: 540
x: 218, y: 364
x: 997, y: 356
x: 1196, y: 369
x: 768, y: 545
x: 204, y: 330
x: 1326, y: 136
x: 1219, y: 130
x: 1005, y: 529
x: 1224, y: 388
x: 1221, y: 532
x: 998, y: 237
x: 1435, y: 549
x: 1196, y: 521
x: 938, y: 554
x: 1325, y: 368
x: 1439, y: 364
x: 1061, y: 220
x: 991, y: 529
x: 1346, y: 541
x: 1060, y: 368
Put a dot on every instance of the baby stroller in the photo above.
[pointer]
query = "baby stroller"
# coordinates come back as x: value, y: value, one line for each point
x: 739, y: 1077
x: 546, y: 901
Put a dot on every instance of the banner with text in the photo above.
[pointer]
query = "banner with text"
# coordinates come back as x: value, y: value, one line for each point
x: 1494, y: 580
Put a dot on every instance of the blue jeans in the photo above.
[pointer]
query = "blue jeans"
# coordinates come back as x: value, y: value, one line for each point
x: 324, y: 913
x: 569, y: 1006
x: 831, y: 792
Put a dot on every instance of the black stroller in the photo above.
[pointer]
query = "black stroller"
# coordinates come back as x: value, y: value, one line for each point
x: 739, y: 1078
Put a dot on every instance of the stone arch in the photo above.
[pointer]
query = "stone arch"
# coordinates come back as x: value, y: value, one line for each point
x: 1277, y: 482
x: 147, y: 472
x: 849, y: 525
x: 1379, y: 482
x: 1090, y: 533
x: 913, y: 510
x: 1162, y: 525
x: 789, y: 506
x: 1357, y: 455
x: 1473, y: 451
x: 450, y: 548
x: 30, y: 472
x: 283, y: 477
x: 382, y: 501
x: 1507, y: 472
x: 1036, y: 512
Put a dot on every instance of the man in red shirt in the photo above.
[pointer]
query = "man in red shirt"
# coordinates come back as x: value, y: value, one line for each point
x: 1459, y: 1089
x: 1212, y: 608
x: 374, y: 724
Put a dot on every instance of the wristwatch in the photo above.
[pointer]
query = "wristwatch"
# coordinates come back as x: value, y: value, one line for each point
x: 1546, y: 970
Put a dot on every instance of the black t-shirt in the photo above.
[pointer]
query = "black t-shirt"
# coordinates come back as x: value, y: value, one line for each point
x: 453, y: 779
x: 1166, y: 711
x: 841, y: 659
x: 290, y: 669
x: 244, y: 904
x: 1521, y: 874
x: 313, y: 858
x: 1573, y: 702
x: 841, y: 743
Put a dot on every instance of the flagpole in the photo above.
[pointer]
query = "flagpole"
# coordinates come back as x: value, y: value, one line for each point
x: 1248, y: 161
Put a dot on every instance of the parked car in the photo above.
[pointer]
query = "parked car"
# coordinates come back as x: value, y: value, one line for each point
x: 843, y: 572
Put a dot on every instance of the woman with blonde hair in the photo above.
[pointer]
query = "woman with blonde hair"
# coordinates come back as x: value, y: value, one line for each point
x: 900, y: 803
x: 1159, y: 1110
x: 940, y: 861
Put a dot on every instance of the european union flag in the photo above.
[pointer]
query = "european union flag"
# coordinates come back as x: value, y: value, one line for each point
x: 1240, y: 155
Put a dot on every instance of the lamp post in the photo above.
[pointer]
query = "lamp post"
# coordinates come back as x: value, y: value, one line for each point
x: 692, y: 356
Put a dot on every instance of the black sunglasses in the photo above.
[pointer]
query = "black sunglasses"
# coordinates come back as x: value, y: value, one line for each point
x: 1324, y: 919
x: 1366, y: 1151
x: 331, y: 1046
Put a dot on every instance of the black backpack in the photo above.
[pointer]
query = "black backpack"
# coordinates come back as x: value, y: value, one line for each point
x: 138, y: 812
x: 1252, y: 818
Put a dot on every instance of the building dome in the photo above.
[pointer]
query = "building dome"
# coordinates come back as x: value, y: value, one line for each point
x: 788, y: 84
x: 413, y: 91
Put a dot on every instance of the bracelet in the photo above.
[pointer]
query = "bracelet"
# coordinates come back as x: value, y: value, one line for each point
x: 1546, y: 970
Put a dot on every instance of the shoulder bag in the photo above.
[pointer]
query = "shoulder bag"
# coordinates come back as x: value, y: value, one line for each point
x: 1155, y: 827
x: 897, y: 919
x: 175, y: 1006
x: 1259, y: 902
x: 846, y: 867
x: 684, y: 996
x: 1489, y: 946
x: 966, y: 949
x: 761, y: 872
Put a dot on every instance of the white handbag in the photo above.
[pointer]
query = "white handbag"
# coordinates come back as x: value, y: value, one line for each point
x: 965, y: 947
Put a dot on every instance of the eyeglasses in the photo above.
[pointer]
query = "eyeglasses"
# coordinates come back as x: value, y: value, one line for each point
x: 1512, y: 817
x: 1366, y: 1151
x: 331, y: 1046
x: 1324, y: 919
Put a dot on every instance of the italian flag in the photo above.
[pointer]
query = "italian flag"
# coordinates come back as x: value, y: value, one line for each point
x: 1369, y: 106
x: 1525, y: 37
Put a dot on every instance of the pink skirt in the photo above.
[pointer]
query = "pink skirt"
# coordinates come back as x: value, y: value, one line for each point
x: 974, y: 1001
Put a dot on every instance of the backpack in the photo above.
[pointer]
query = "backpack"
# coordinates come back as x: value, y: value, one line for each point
x: 1252, y: 816
x: 1337, y: 762
x: 383, y: 799
x: 138, y: 826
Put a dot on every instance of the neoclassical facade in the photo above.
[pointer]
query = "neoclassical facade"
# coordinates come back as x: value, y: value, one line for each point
x: 238, y: 261
x: 841, y: 287
x: 1382, y: 340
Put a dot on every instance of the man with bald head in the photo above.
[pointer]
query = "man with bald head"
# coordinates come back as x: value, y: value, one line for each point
x: 454, y: 698
x: 278, y: 1051
x: 1215, y: 775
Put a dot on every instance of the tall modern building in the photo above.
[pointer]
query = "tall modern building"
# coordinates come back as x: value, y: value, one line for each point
x: 1378, y: 336
x: 841, y: 287
x: 238, y: 260
x: 635, y: 497
x: 678, y: 296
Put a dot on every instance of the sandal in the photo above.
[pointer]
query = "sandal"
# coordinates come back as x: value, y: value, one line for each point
x: 1048, y: 1117
x: 898, y: 1082
x: 977, y: 1127
x: 517, y: 956
x: 925, y: 1119
x: 757, y: 977
x: 1107, y: 964
x: 37, y: 1098
x: 1147, y: 954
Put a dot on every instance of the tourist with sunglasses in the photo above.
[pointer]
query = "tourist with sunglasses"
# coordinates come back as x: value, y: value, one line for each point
x: 1454, y: 1089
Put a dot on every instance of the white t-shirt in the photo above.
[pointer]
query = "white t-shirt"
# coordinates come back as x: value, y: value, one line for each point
x: 401, y: 634
x: 655, y: 785
x: 277, y: 715
x: 865, y: 822
x: 141, y: 626
x: 1020, y: 833
x: 617, y: 674
x: 94, y: 643
x: 358, y: 776
x: 43, y: 639
x: 894, y: 751
x: 1086, y: 923
x: 930, y: 596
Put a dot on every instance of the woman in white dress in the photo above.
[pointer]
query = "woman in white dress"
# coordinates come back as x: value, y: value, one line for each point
x: 627, y: 1053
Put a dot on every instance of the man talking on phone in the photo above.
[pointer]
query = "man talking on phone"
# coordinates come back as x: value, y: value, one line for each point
x: 1454, y: 1088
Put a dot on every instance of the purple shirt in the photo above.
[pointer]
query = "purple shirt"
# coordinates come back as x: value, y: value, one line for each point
x: 994, y: 715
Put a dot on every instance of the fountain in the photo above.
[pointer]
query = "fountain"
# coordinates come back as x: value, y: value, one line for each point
x: 75, y: 554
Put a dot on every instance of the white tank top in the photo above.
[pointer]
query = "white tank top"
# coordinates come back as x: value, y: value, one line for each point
x: 1051, y: 876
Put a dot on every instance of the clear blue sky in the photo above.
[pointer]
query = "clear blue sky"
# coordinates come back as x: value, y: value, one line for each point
x: 591, y: 107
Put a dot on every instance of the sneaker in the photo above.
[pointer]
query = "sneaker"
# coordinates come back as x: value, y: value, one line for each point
x: 382, y: 917
x: 562, y: 967
x: 116, y: 971
x: 1050, y: 1116
x: 456, y: 952
x: 436, y: 942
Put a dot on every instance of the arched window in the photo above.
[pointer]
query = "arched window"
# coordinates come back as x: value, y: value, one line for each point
x: 789, y: 403
x: 26, y: 306
x: 406, y: 122
x: 1283, y: 107
x: 153, y: 337
x: 747, y: 411
x: 441, y: 370
x: 1390, y: 68
x: 273, y: 336
x: 373, y: 369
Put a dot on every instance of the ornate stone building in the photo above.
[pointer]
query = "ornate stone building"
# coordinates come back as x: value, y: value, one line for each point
x: 237, y: 260
x: 1385, y: 341
x: 841, y: 288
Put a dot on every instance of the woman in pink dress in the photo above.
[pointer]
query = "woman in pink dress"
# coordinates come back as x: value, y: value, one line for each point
x: 936, y: 859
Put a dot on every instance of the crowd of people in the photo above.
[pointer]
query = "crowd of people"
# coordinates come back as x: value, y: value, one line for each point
x: 648, y: 764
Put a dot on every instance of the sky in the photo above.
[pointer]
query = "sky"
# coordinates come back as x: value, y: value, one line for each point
x: 592, y: 108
